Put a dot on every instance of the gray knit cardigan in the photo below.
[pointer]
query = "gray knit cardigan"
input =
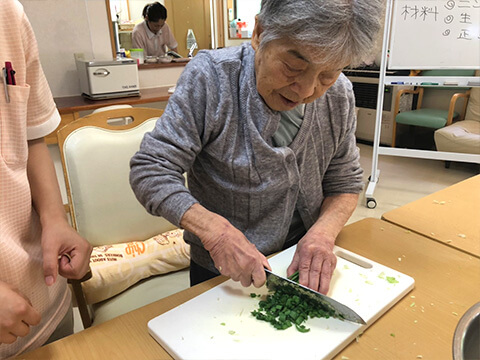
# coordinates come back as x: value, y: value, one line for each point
x: 217, y: 128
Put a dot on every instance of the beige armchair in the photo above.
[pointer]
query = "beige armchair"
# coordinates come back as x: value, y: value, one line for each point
x: 462, y: 136
x: 95, y: 158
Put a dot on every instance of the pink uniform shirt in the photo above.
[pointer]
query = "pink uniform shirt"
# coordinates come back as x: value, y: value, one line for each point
x: 30, y: 114
x: 153, y: 44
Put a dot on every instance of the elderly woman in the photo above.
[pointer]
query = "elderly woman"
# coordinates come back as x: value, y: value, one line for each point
x: 266, y: 133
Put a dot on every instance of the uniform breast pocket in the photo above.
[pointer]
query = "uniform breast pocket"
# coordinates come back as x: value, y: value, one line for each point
x: 13, y: 126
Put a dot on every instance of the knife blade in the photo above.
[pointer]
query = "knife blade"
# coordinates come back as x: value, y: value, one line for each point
x: 339, y: 310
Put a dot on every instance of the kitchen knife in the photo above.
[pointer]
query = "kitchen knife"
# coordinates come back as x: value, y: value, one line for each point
x: 340, y: 311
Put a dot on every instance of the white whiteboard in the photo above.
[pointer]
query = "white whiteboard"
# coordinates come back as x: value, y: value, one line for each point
x: 435, y: 34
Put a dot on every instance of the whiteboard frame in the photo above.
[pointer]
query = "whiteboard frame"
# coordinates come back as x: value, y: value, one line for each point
x: 392, y: 55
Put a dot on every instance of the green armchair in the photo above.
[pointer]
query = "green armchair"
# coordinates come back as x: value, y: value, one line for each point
x: 427, y: 117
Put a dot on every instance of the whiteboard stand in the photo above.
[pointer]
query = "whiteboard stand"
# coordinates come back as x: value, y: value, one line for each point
x: 408, y: 80
x: 375, y: 173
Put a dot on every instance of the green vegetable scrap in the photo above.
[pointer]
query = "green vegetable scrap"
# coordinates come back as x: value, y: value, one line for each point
x: 295, y: 276
x: 392, y: 280
x: 284, y: 308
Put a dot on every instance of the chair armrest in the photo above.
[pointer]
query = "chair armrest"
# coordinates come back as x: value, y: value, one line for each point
x: 453, y: 101
x: 396, y: 108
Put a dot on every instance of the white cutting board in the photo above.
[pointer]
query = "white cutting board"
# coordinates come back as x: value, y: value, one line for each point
x: 218, y: 325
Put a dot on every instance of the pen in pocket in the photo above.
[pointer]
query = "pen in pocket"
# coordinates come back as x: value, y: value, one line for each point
x: 4, y: 78
x: 10, y: 73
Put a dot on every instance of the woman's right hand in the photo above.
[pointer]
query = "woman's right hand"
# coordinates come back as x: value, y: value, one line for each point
x: 16, y: 314
x: 236, y: 257
x: 232, y: 253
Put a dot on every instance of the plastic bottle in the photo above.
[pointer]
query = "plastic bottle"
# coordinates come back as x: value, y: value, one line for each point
x: 234, y: 28
x: 191, y: 39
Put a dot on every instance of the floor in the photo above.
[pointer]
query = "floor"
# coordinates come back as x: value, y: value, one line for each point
x: 402, y: 180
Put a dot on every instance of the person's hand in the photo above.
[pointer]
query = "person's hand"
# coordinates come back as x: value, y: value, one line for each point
x: 16, y: 314
x: 315, y: 261
x: 236, y: 257
x: 232, y: 253
x: 61, y: 240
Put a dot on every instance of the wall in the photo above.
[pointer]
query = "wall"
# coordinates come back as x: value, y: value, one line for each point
x: 65, y: 27
x: 119, y: 8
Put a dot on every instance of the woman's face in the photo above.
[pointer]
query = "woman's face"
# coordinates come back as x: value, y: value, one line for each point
x: 288, y: 75
x: 155, y: 26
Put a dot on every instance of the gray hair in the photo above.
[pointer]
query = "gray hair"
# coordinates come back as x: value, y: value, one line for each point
x: 342, y: 30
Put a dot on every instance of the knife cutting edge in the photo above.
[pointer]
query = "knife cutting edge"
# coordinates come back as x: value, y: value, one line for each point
x: 339, y: 310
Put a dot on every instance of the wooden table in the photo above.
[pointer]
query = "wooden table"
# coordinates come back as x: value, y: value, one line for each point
x: 70, y: 106
x: 450, y: 216
x: 422, y: 323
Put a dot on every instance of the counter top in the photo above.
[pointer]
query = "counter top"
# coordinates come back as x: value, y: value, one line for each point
x: 70, y: 106
x: 77, y: 103
x: 146, y: 66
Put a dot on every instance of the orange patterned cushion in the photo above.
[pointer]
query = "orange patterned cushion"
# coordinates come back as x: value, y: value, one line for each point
x: 117, y: 267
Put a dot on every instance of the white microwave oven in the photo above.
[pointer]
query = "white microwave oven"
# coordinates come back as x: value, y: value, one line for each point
x: 108, y: 79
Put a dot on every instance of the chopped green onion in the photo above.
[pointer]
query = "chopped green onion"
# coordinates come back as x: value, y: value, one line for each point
x: 295, y: 276
x: 392, y: 280
x: 284, y: 308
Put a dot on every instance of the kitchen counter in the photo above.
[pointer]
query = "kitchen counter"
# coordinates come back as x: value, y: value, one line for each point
x: 70, y: 106
x: 146, y: 66
x: 421, y: 325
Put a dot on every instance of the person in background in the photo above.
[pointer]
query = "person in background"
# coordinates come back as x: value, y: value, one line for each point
x: 38, y: 248
x: 153, y: 35
x: 266, y: 134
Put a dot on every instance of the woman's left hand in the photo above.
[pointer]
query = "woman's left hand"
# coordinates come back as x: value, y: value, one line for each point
x: 315, y: 261
x: 65, y: 252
